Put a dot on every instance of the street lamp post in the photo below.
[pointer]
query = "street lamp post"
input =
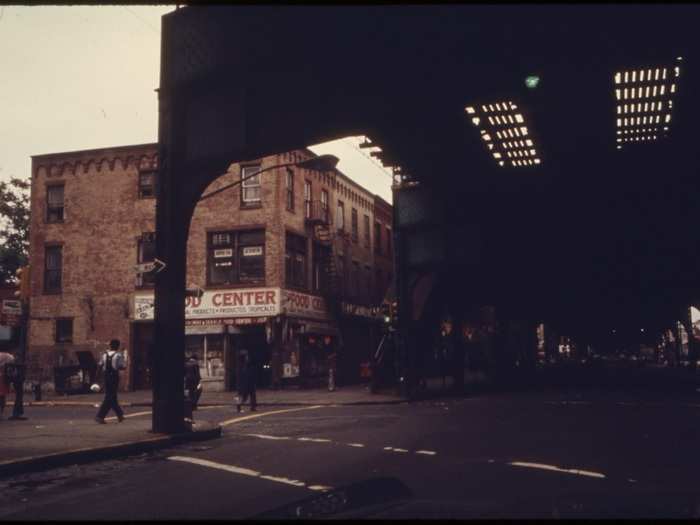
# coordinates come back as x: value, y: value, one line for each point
x: 320, y: 163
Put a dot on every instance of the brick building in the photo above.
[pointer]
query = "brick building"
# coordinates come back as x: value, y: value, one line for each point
x: 288, y: 261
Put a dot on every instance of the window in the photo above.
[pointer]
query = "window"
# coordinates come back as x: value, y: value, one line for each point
x: 307, y: 199
x: 388, y: 242
x: 368, y: 283
x: 53, y: 262
x: 320, y: 277
x: 341, y: 272
x: 236, y: 257
x: 368, y: 242
x: 340, y: 216
x: 324, y: 204
x: 353, y: 218
x: 295, y: 260
x: 147, y: 185
x: 146, y: 253
x: 290, y: 189
x: 64, y: 330
x: 377, y: 238
x: 355, y: 279
x: 54, y: 203
x: 250, y: 192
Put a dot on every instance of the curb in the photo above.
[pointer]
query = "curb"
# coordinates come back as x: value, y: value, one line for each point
x: 223, y: 404
x: 88, y: 455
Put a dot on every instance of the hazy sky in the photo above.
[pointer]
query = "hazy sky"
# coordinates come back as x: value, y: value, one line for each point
x: 78, y: 78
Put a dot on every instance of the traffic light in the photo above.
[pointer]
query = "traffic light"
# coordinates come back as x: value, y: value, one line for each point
x: 394, y: 313
x: 23, y: 278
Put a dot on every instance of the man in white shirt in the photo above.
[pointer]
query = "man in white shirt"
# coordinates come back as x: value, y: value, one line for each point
x: 111, y: 363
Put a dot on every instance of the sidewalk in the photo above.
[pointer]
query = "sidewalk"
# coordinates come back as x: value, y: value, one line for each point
x: 349, y: 395
x: 41, y: 443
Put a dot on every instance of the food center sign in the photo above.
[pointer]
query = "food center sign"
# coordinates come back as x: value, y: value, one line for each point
x: 219, y: 304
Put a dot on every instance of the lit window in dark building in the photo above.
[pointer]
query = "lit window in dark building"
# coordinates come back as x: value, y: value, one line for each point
x: 295, y: 260
x: 354, y: 225
x: 250, y: 192
x: 64, y: 330
x: 54, y: 203
x: 147, y: 184
x: 236, y: 257
x: 53, y: 264
x: 146, y: 253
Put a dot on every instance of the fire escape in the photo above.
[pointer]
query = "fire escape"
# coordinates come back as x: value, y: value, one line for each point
x: 318, y: 218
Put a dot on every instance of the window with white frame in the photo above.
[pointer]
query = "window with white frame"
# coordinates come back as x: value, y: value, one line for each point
x: 250, y: 191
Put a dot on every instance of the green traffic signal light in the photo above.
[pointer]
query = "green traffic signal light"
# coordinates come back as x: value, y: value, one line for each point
x: 532, y: 81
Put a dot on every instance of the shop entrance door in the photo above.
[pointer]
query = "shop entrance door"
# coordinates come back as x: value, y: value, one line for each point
x: 143, y: 340
x: 253, y: 342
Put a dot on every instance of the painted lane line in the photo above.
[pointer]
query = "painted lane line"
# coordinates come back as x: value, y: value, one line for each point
x: 315, y: 440
x: 264, y: 436
x: 388, y: 448
x: 286, y: 481
x: 319, y: 487
x: 358, y: 445
x: 263, y: 414
x: 135, y: 414
x: 392, y: 449
x: 247, y: 472
x: 426, y: 452
x: 554, y: 468
x: 219, y: 466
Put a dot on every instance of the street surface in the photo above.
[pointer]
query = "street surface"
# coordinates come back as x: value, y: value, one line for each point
x: 578, y: 453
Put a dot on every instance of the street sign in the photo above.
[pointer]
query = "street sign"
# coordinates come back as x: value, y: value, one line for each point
x: 155, y: 265
x: 11, y: 306
x: 13, y: 320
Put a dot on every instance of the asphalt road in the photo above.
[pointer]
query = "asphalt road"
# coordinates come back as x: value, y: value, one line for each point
x: 566, y: 454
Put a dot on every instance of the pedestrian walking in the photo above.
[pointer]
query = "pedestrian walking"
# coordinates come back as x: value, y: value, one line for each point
x: 193, y: 380
x: 5, y: 359
x: 246, y: 383
x: 111, y: 363
x: 15, y: 377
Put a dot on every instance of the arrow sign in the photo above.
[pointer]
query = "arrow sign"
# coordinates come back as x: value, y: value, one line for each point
x: 148, y: 267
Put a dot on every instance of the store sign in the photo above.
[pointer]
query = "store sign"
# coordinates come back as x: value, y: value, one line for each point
x: 254, y: 302
x: 223, y: 253
x: 304, y: 305
x: 252, y: 251
x: 359, y: 310
x: 11, y: 306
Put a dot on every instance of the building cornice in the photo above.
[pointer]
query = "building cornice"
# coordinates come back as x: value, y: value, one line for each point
x: 142, y: 157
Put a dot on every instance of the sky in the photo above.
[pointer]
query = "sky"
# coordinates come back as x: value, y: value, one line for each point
x: 84, y: 77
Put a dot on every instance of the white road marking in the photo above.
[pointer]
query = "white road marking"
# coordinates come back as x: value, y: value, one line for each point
x: 388, y: 448
x: 392, y: 449
x: 632, y: 480
x: 213, y: 464
x: 135, y: 414
x: 247, y: 472
x: 285, y: 481
x: 426, y: 452
x: 554, y: 468
x: 264, y: 436
x: 315, y: 440
x: 263, y: 414
x: 358, y: 445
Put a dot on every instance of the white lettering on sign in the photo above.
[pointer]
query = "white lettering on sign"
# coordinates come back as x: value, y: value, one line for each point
x: 252, y: 251
x: 304, y: 305
x: 11, y: 306
x: 254, y: 302
x: 223, y: 253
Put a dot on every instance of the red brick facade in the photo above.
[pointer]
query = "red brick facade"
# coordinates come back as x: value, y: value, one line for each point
x: 104, y: 217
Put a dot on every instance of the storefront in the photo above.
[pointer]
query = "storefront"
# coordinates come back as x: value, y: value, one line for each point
x: 309, y: 340
x: 219, y: 326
